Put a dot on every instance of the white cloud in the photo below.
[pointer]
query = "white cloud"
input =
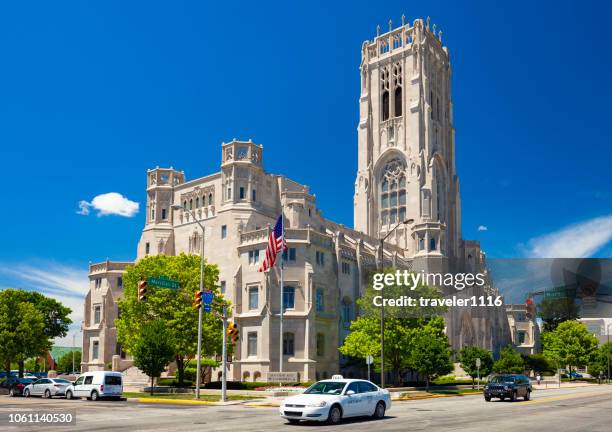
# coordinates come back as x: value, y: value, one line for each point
x: 581, y: 240
x: 111, y: 203
x: 69, y: 285
x: 483, y: 228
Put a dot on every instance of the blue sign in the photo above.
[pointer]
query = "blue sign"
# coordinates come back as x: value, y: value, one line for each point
x: 207, y: 307
x: 207, y: 297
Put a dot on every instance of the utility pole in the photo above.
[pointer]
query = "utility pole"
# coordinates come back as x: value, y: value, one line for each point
x: 224, y: 354
x: 73, y: 346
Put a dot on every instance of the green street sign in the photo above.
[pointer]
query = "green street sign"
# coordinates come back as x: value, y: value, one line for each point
x: 560, y: 292
x: 163, y: 282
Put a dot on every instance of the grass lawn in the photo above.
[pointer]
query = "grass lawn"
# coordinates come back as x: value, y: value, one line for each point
x: 455, y: 391
x: 184, y: 396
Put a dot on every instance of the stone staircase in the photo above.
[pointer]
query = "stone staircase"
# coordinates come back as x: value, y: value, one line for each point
x: 134, y: 379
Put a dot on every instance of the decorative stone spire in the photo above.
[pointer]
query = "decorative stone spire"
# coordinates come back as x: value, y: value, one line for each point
x: 390, y: 24
x: 440, y: 36
x: 378, y: 30
x: 427, y: 23
x: 403, y: 19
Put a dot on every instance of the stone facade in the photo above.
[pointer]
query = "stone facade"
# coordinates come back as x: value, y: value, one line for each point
x: 524, y: 329
x: 406, y: 170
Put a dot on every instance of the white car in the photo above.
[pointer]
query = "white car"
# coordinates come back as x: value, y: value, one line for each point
x: 47, y: 387
x: 335, y: 399
x: 97, y: 385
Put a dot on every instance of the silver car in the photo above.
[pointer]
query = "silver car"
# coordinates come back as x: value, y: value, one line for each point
x: 47, y: 387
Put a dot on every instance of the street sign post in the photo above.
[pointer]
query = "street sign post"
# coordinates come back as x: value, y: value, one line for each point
x: 369, y: 361
x: 163, y: 282
x: 478, y: 373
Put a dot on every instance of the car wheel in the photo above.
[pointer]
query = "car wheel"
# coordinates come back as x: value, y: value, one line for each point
x: 379, y: 412
x: 513, y: 397
x: 68, y: 395
x: 26, y: 393
x: 488, y: 398
x: 335, y: 415
x: 95, y: 396
x: 527, y: 395
x: 502, y: 398
x: 47, y: 394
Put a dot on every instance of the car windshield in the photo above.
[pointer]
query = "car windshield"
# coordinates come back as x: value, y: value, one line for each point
x: 503, y: 379
x: 326, y: 388
x: 61, y: 381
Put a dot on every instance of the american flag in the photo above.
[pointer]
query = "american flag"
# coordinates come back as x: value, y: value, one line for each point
x: 276, y: 244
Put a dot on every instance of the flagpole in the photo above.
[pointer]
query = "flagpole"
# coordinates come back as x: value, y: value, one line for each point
x: 280, y: 360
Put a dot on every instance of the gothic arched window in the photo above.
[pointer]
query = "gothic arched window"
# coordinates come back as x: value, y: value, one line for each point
x: 393, y: 193
x: 384, y: 87
x: 385, y: 106
x: 210, y: 199
x: 440, y: 193
x: 197, y: 202
x: 397, y: 92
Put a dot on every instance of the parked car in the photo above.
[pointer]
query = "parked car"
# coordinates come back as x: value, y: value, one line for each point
x: 17, y: 386
x: 96, y: 385
x: 572, y: 374
x: 508, y: 386
x: 11, y: 380
x: 332, y: 400
x: 47, y: 387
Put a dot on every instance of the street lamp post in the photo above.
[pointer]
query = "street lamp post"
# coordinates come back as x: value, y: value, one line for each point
x: 608, y: 350
x: 199, y: 361
x: 382, y: 307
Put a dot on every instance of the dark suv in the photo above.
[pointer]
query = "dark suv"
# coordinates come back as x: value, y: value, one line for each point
x: 508, y: 386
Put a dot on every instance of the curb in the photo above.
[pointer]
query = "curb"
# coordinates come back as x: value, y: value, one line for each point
x: 434, y: 396
x: 174, y: 401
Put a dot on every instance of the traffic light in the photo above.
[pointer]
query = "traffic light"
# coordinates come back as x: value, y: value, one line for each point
x: 531, y: 308
x: 142, y: 290
x: 232, y: 332
x: 197, y: 300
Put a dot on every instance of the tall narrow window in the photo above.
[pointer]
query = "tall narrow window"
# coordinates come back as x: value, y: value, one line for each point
x: 163, y: 214
x: 288, y: 298
x: 241, y: 192
x: 190, y: 204
x: 393, y: 193
x: 97, y: 314
x: 385, y: 106
x: 147, y: 248
x: 320, y: 344
x: 252, y: 344
x: 432, y: 244
x: 254, y: 195
x: 288, y: 344
x: 210, y: 199
x: 253, y: 298
x: 320, y: 300
x: 398, y: 102
x: 223, y: 231
x: 222, y: 287
x: 95, y: 350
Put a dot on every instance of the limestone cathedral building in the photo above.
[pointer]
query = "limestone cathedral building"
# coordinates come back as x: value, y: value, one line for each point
x: 406, y: 170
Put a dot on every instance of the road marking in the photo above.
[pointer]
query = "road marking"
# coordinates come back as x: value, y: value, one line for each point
x: 570, y: 396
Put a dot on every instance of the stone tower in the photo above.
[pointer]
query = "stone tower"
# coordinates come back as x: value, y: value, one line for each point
x: 406, y: 161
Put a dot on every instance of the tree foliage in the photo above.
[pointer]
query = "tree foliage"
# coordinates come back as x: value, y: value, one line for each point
x: 554, y: 311
x: 64, y: 363
x: 468, y: 356
x: 598, y: 366
x: 28, y: 323
x: 431, y: 354
x: 510, y: 362
x: 153, y: 350
x: 538, y: 363
x: 570, y: 344
x: 172, y: 307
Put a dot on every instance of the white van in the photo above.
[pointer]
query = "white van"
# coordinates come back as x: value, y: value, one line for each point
x: 96, y: 385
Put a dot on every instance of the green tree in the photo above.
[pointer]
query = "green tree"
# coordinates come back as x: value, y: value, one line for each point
x: 570, y: 344
x: 554, y: 311
x: 598, y: 366
x: 64, y: 363
x: 400, y: 323
x: 22, y: 330
x: 153, y: 350
x: 468, y: 356
x: 538, y: 363
x: 510, y: 362
x: 172, y: 307
x: 430, y: 354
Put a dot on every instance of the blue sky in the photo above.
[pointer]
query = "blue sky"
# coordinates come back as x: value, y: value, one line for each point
x: 94, y: 93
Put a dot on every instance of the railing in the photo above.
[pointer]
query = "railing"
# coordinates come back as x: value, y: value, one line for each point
x: 108, y: 266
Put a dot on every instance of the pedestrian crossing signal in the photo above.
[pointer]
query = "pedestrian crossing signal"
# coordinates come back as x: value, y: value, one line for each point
x: 142, y: 290
x: 232, y: 332
x: 197, y: 300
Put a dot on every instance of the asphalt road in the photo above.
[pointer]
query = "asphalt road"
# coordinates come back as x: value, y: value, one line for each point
x: 579, y: 409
